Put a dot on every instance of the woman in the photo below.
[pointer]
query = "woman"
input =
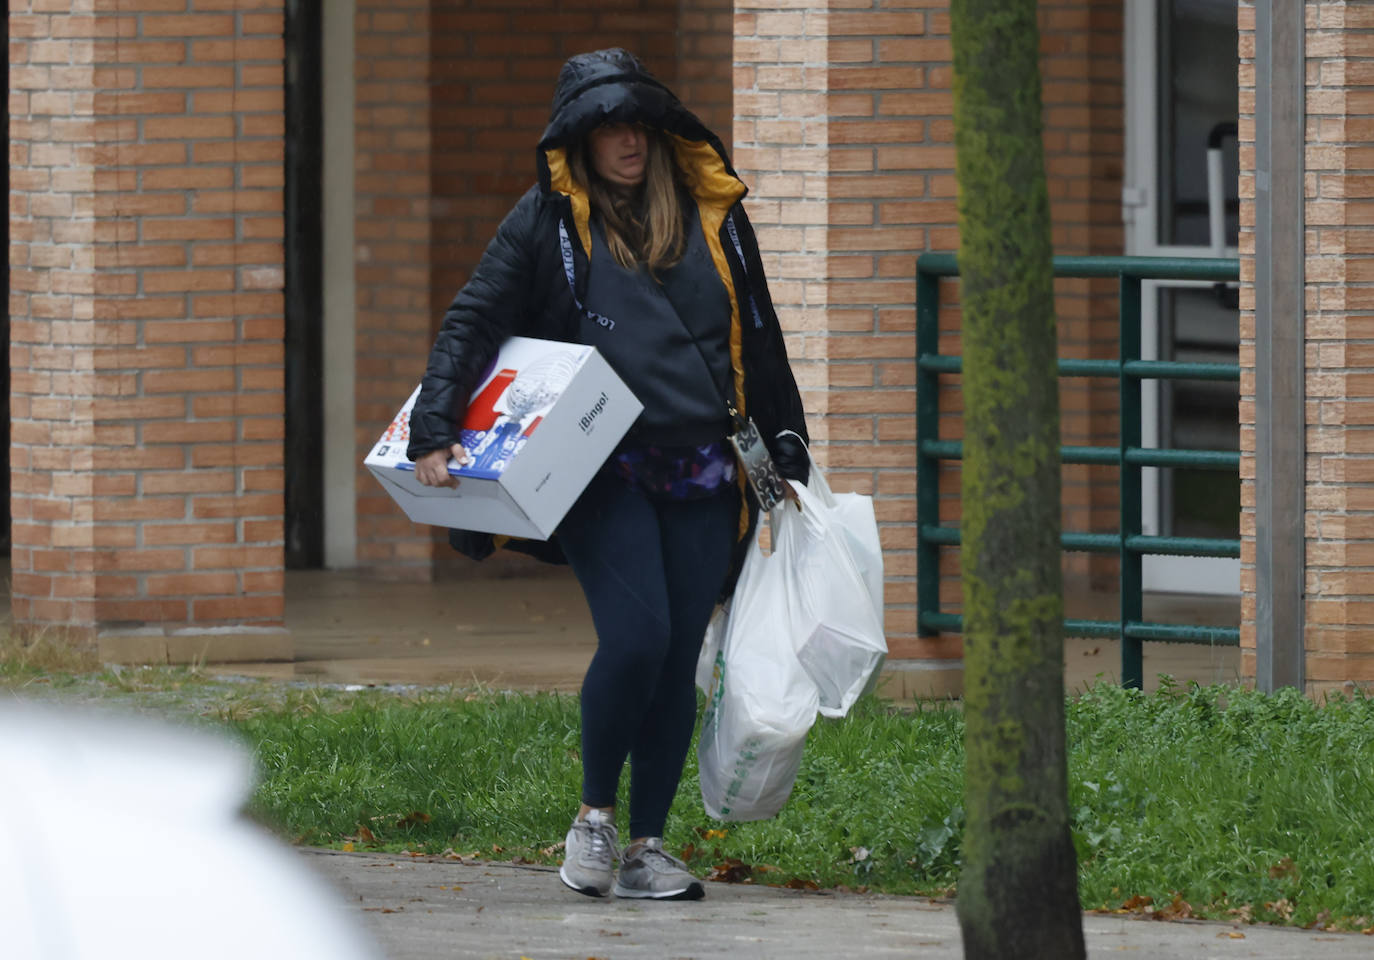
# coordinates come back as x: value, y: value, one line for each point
x: 633, y: 241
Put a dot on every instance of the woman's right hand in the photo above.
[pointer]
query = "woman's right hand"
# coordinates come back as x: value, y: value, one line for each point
x: 432, y: 468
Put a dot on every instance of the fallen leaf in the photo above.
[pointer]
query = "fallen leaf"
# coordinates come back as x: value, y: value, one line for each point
x: 551, y: 850
x: 797, y: 883
x: 706, y: 834
x: 1231, y: 935
x: 1282, y: 907
x: 1137, y: 904
x: 859, y: 854
x: 1093, y: 652
x: 348, y: 847
x: 1178, y: 909
x: 730, y: 871
x: 366, y: 835
x: 1284, y: 868
x: 449, y: 854
x: 1243, y: 913
x: 495, y: 849
x: 687, y: 852
x: 415, y: 816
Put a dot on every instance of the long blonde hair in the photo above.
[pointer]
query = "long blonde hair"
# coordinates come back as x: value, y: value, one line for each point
x: 644, y: 224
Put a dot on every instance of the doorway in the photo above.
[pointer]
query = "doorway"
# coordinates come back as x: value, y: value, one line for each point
x: 1181, y: 200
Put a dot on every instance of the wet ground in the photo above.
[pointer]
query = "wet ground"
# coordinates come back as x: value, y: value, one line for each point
x: 536, y: 633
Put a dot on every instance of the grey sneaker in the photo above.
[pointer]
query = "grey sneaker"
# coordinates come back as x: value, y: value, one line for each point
x: 589, y: 853
x: 651, y: 874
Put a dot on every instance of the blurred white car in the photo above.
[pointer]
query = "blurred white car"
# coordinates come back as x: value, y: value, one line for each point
x: 120, y: 837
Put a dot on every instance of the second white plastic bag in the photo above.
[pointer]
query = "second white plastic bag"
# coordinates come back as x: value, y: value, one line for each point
x: 760, y: 702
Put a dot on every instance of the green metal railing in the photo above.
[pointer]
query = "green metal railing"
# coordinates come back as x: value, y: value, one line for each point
x: 1129, y: 542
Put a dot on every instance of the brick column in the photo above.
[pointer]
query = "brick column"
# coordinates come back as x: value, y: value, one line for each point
x: 392, y: 234
x: 828, y: 104
x: 845, y: 132
x: 146, y: 327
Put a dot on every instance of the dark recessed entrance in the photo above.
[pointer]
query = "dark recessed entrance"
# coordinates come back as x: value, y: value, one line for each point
x: 304, y: 455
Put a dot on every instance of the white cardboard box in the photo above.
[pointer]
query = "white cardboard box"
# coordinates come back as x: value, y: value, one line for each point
x: 543, y: 420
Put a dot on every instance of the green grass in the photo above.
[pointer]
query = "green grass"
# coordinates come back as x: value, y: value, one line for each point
x: 1209, y: 801
x: 1212, y: 802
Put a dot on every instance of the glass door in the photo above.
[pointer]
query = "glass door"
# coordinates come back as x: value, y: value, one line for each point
x: 1181, y: 199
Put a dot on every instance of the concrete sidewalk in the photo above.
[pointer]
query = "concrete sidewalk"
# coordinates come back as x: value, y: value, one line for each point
x: 427, y: 907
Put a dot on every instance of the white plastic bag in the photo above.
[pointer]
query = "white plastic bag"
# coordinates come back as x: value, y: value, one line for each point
x: 835, y: 626
x: 710, y: 648
x: 761, y: 703
x: 852, y: 514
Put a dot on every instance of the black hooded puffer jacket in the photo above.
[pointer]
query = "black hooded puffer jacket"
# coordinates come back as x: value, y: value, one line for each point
x: 522, y: 285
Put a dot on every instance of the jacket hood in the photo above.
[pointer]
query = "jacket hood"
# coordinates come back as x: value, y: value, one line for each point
x: 614, y: 86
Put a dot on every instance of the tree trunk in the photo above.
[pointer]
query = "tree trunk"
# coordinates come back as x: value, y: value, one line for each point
x: 1018, y: 890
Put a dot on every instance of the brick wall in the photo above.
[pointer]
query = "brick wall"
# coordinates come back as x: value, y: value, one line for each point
x: 1084, y: 118
x: 146, y: 314
x: 1246, y: 193
x: 893, y: 189
x: 494, y: 71
x: 705, y: 61
x: 890, y: 189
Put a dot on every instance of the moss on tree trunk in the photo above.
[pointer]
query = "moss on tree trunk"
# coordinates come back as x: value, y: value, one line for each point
x: 1018, y: 892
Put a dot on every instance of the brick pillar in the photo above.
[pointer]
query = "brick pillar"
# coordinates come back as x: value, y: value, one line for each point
x: 146, y: 327
x: 825, y: 121
x: 845, y: 132
x: 1339, y: 605
x: 392, y: 234
x: 1246, y: 193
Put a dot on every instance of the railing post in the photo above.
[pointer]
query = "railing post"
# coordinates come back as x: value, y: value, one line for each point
x: 1132, y: 607
x: 927, y: 428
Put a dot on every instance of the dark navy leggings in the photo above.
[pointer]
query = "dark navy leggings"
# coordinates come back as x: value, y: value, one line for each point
x: 651, y: 571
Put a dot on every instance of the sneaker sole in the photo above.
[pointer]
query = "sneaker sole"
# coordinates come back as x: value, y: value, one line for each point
x: 587, y: 891
x: 693, y: 891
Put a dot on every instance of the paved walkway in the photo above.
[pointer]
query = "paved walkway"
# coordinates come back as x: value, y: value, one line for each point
x: 427, y: 908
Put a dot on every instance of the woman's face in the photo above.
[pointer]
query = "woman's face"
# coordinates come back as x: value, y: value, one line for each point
x: 619, y: 153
